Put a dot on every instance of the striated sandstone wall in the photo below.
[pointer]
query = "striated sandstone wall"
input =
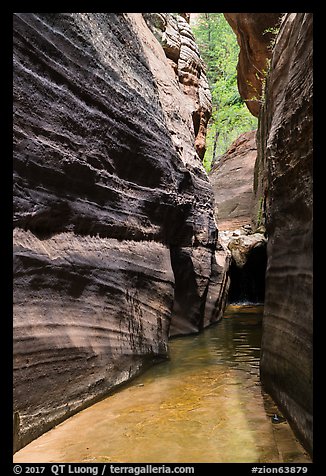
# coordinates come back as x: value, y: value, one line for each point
x: 283, y: 202
x: 113, y: 212
x: 284, y: 180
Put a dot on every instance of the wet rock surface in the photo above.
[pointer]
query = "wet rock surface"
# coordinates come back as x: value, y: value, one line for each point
x: 284, y: 171
x: 89, y: 313
x: 255, y: 35
x: 110, y: 198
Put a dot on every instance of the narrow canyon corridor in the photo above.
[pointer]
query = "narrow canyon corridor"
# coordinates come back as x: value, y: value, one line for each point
x: 162, y: 304
x: 168, y: 414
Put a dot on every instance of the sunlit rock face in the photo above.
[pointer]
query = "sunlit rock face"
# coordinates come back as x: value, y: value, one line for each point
x: 232, y: 181
x: 175, y: 35
x: 284, y: 181
x: 255, y: 34
x: 113, y: 212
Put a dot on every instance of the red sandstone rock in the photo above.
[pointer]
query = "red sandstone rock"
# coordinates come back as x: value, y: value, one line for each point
x: 232, y: 182
x: 255, y: 50
x: 177, y: 39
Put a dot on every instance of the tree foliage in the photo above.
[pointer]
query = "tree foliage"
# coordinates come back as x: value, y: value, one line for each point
x: 230, y: 117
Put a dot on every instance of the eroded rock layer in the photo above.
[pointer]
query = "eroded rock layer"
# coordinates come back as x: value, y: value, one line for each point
x: 284, y: 174
x: 89, y: 311
x: 175, y: 35
x: 255, y: 34
x: 110, y: 199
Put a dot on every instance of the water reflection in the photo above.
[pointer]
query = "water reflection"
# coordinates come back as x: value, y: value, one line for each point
x: 203, y: 405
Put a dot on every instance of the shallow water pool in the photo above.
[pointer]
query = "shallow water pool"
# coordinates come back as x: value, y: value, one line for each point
x: 205, y: 404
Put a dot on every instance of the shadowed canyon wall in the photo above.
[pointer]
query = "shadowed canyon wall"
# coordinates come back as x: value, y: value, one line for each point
x: 282, y: 186
x: 114, y: 230
x: 284, y: 175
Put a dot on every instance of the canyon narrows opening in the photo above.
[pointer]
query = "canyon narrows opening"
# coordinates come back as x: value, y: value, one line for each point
x: 247, y: 284
x: 162, y: 237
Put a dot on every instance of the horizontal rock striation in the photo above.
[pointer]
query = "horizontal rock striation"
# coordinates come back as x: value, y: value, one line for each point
x: 113, y: 212
x: 256, y: 35
x: 89, y: 311
x: 285, y: 183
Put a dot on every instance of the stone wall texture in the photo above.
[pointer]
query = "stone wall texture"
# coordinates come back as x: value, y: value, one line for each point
x: 255, y: 34
x: 114, y: 229
x: 232, y: 181
x: 285, y: 186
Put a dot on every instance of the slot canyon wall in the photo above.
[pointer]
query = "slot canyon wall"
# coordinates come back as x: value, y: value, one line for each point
x: 283, y: 195
x: 114, y: 230
x: 115, y: 240
x: 285, y: 155
x: 232, y: 182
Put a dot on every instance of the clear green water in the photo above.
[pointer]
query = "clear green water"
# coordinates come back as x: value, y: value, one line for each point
x: 203, y: 405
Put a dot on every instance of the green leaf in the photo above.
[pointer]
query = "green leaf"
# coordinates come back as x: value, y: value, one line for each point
x: 219, y: 49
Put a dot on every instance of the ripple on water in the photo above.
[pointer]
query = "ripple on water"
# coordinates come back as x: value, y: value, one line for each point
x: 203, y: 405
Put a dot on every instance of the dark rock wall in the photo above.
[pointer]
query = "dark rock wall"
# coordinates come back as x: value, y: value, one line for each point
x: 110, y: 203
x: 282, y: 185
x: 248, y: 281
x: 285, y: 174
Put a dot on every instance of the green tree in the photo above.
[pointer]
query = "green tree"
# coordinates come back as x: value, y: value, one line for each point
x: 230, y: 116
